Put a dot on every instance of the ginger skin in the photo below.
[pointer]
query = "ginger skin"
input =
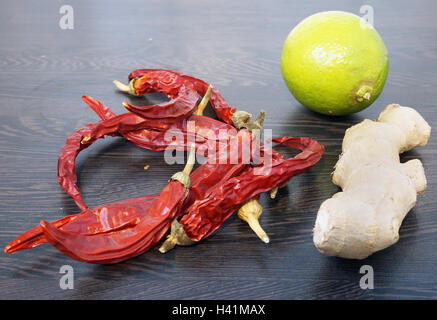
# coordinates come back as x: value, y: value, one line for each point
x: 377, y: 190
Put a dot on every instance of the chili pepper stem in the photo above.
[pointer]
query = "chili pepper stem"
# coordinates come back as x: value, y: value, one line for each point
x: 184, y: 176
x: 177, y: 236
x: 256, y: 227
x: 85, y: 140
x: 168, y: 244
x: 260, y: 119
x: 121, y: 86
x: 126, y: 88
x: 243, y: 119
x: 250, y: 212
x: 191, y: 160
x: 274, y: 191
x: 204, y: 101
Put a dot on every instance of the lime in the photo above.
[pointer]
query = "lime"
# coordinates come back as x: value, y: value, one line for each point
x: 334, y: 63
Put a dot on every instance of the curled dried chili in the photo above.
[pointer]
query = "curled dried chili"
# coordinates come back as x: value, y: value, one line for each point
x: 140, y: 84
x: 149, y: 134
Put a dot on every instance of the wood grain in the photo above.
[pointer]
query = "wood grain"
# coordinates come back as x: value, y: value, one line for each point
x: 236, y: 46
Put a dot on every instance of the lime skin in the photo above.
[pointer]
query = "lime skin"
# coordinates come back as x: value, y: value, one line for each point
x: 334, y: 63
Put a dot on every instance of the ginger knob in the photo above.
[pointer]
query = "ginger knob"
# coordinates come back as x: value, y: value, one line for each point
x: 377, y: 189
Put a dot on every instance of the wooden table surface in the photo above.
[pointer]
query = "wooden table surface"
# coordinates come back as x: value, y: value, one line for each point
x: 235, y: 45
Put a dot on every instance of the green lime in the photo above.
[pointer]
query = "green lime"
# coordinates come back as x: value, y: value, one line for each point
x: 334, y: 63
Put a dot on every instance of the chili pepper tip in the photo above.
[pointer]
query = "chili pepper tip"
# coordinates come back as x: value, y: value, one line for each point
x: 273, y: 192
x: 126, y: 105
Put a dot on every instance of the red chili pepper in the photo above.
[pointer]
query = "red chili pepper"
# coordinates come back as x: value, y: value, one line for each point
x: 223, y: 110
x: 84, y: 137
x: 208, y: 180
x: 144, y: 138
x: 102, y: 219
x: 182, y: 94
x: 132, y: 238
x: 135, y: 129
x: 207, y: 215
x: 154, y: 139
x: 203, y: 180
x: 177, y: 108
x: 118, y: 231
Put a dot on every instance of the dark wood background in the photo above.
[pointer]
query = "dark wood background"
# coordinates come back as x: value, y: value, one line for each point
x: 235, y: 45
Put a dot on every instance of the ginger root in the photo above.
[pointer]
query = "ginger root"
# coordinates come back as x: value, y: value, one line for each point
x: 377, y: 190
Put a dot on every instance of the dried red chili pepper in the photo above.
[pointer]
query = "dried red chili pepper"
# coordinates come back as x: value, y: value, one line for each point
x: 144, y: 138
x: 133, y: 127
x: 106, y: 218
x: 149, y: 134
x: 177, y: 108
x: 143, y: 81
x: 135, y: 236
x: 140, y: 80
x: 101, y: 219
x: 84, y: 137
x: 140, y: 84
x: 183, y: 97
x: 207, y: 215
x: 112, y: 217
x: 126, y: 125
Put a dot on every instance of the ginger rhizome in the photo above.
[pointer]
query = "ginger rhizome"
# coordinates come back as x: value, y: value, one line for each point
x: 377, y: 190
